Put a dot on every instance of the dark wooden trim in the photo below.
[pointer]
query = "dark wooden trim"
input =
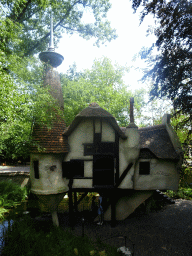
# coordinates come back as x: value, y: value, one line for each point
x: 113, y: 208
x: 124, y: 174
x: 117, y: 157
x: 71, y: 215
x: 81, y: 159
x: 82, y: 178
x: 103, y: 187
x: 93, y: 189
x: 75, y: 202
x: 83, y: 196
x: 93, y: 129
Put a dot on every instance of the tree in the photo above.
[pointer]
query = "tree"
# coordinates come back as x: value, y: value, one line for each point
x: 102, y: 84
x: 23, y: 101
x: 153, y: 111
x: 32, y: 19
x: 24, y: 33
x: 171, y: 69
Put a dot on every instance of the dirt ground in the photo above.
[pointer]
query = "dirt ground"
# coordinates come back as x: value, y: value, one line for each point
x: 162, y: 233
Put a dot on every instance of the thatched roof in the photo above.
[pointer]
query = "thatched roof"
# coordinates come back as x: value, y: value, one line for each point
x: 157, y: 140
x: 91, y: 112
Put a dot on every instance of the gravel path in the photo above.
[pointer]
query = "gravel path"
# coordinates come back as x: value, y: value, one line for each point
x: 163, y: 233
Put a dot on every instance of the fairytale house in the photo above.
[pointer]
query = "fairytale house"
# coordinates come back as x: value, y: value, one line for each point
x: 125, y: 164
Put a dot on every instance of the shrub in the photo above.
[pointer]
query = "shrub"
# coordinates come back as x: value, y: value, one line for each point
x: 183, y: 192
x: 11, y: 193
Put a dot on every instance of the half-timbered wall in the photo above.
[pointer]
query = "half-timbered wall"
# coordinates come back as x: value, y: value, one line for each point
x: 89, y: 142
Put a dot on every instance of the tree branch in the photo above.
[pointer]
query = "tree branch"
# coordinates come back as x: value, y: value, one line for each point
x: 47, y: 35
x: 23, y: 11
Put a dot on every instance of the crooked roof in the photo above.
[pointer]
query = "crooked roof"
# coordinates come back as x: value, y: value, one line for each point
x: 157, y: 140
x: 49, y: 140
x: 95, y: 111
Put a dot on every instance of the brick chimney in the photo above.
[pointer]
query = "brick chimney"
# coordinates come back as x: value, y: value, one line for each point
x: 132, y: 124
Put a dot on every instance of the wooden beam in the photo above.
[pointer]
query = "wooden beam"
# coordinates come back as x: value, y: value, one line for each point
x: 71, y: 215
x: 113, y: 208
x: 124, y: 174
x: 82, y: 197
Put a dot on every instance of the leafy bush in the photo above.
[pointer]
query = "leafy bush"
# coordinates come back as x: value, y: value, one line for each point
x: 183, y: 192
x: 11, y: 193
x: 27, y: 238
x: 2, y: 212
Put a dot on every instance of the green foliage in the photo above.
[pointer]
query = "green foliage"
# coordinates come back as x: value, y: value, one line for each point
x: 27, y: 238
x: 182, y: 193
x: 170, y: 69
x: 25, y: 32
x: 11, y: 194
x: 102, y: 84
x: 33, y: 17
x: 3, y: 211
x: 25, y: 101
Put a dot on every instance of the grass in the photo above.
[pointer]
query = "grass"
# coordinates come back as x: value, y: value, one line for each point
x: 27, y: 239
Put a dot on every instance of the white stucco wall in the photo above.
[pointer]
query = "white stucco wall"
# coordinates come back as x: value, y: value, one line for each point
x: 49, y: 182
x: 83, y: 133
x: 108, y: 133
x: 163, y: 175
x: 128, y: 153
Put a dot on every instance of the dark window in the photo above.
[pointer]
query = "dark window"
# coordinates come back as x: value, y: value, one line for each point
x: 144, y: 168
x: 89, y: 149
x: 77, y: 168
x: 103, y: 170
x: 66, y: 169
x: 73, y: 169
x: 107, y: 148
x: 36, y: 169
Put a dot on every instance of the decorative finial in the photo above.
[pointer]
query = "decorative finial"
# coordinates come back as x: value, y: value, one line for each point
x: 51, y: 57
x: 51, y: 43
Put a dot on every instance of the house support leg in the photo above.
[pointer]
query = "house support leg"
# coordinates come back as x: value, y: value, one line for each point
x: 55, y: 218
x: 70, y: 203
x: 75, y: 202
x: 113, y: 209
x: 70, y: 208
